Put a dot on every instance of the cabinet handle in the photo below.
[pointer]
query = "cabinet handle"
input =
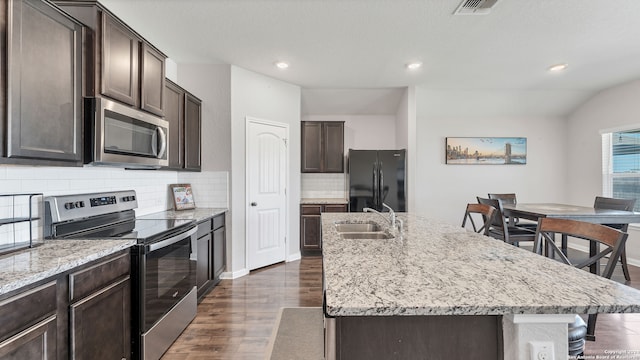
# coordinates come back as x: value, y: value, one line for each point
x: 254, y: 204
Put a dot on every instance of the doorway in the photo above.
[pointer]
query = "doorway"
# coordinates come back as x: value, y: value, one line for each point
x: 267, y: 182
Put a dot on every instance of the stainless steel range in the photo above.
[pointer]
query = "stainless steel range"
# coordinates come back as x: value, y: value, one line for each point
x: 164, y: 297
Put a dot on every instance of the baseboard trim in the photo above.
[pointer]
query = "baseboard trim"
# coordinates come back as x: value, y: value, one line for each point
x: 230, y: 275
x: 294, y: 257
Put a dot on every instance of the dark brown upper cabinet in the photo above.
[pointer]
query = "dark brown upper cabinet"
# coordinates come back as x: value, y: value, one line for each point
x: 120, y: 64
x: 184, y: 114
x: 192, y: 133
x: 174, y: 114
x: 41, y: 94
x: 322, y: 147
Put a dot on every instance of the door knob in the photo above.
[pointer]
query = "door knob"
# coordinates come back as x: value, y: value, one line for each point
x: 254, y: 204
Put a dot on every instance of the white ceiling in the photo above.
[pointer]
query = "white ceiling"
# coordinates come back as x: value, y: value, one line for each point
x: 333, y: 45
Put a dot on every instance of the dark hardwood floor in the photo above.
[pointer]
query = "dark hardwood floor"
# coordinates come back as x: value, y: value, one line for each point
x: 235, y: 320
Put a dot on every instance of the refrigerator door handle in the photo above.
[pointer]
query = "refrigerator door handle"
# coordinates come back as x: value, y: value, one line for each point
x: 380, y: 187
x: 375, y: 185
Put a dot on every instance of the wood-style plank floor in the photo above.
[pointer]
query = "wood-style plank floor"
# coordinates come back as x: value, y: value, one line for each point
x: 235, y: 320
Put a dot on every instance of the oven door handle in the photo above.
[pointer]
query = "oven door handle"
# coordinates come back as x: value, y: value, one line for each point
x: 171, y: 240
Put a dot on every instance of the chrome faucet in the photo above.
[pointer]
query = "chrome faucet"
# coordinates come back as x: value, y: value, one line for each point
x: 393, y: 220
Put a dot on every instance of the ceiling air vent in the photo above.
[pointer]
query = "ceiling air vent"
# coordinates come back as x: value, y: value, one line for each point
x: 475, y: 7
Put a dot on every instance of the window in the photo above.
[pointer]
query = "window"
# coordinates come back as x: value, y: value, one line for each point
x: 621, y: 165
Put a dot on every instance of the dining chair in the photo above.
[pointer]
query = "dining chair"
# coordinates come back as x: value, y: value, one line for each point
x: 612, y: 242
x: 617, y: 204
x: 510, y: 198
x: 501, y: 229
x: 487, y: 214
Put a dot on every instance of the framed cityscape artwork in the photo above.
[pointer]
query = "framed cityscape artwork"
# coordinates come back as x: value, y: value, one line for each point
x: 486, y: 150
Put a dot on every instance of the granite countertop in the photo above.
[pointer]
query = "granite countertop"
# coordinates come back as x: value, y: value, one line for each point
x: 29, y: 266
x: 323, y: 201
x: 440, y: 269
x: 197, y: 214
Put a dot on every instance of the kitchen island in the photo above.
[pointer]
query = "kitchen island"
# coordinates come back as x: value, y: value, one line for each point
x: 440, y: 292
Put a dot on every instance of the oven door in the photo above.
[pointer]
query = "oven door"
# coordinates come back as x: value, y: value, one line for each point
x: 169, y: 274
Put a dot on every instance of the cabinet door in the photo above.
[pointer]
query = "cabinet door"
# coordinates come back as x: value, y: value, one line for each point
x: 193, y: 129
x: 120, y: 59
x: 310, y: 233
x: 36, y: 342
x: 218, y: 253
x: 311, y: 147
x: 203, y: 271
x: 174, y: 114
x: 101, y: 323
x: 45, y: 83
x: 333, y: 146
x: 152, y: 81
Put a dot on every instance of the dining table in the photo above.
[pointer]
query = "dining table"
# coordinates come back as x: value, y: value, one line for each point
x: 535, y: 211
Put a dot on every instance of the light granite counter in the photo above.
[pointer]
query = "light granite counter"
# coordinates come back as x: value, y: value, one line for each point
x: 197, y: 214
x: 441, y: 269
x: 323, y: 201
x: 29, y: 266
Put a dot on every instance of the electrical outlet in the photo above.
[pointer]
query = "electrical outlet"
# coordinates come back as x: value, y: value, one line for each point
x: 541, y: 350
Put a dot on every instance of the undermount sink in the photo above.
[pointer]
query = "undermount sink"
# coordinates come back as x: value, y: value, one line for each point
x: 357, y: 227
x: 366, y: 235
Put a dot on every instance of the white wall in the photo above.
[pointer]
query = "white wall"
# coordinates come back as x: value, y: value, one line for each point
x: 364, y: 132
x: 442, y: 191
x: 406, y: 138
x: 615, y: 107
x: 361, y: 132
x: 265, y: 98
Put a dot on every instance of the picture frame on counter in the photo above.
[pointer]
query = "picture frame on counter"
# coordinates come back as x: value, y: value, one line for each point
x: 486, y: 150
x: 182, y: 195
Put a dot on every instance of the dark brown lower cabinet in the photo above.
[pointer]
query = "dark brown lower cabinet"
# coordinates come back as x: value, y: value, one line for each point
x: 211, y: 254
x: 84, y: 313
x: 310, y: 234
x: 101, y: 324
x: 29, y: 324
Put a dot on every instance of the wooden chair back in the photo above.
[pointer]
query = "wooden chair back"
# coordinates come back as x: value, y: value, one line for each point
x: 485, y: 211
x: 613, y: 240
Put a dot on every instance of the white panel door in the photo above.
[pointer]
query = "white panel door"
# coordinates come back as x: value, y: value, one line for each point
x: 266, y: 182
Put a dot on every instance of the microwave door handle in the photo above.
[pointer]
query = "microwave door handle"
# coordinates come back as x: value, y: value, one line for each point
x: 163, y: 142
x: 158, y: 137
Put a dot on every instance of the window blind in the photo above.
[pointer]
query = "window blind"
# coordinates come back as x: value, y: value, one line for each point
x: 621, y: 165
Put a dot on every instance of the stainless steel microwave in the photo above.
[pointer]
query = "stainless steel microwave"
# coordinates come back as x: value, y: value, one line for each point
x: 119, y: 135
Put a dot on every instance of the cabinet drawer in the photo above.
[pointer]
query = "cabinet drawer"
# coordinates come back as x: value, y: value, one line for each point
x: 311, y: 209
x: 335, y: 208
x: 218, y: 222
x: 26, y: 309
x: 87, y: 281
x: 204, y: 228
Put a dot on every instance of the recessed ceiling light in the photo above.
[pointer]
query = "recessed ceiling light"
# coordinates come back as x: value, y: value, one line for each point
x: 558, y: 67
x: 414, y: 65
x: 282, y: 65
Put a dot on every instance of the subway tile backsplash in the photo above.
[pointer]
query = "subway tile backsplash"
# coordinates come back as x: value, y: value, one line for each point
x: 152, y: 186
x: 317, y: 186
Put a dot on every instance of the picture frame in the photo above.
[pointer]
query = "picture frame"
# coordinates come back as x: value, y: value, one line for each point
x: 182, y: 195
x: 486, y: 150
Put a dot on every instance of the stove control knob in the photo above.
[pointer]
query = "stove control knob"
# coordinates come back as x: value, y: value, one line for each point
x: 80, y: 204
x: 69, y: 206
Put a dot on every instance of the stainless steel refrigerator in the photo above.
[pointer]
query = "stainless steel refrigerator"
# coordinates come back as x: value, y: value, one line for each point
x: 376, y: 177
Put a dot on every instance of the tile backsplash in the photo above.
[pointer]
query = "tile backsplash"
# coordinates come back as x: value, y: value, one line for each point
x: 210, y: 188
x: 317, y: 186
